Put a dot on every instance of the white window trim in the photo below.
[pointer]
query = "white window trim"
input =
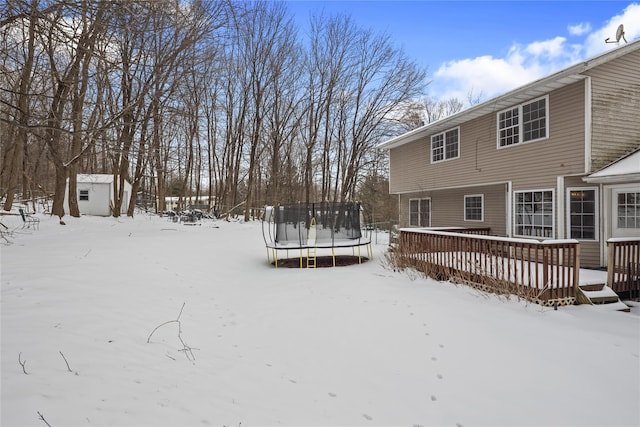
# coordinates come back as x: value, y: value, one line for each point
x: 481, y: 207
x: 521, y: 123
x: 420, y: 198
x: 553, y: 213
x: 596, y: 218
x: 615, y: 191
x: 444, y: 148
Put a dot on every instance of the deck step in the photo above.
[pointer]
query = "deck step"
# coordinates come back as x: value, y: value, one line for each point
x: 613, y: 306
x: 601, y: 295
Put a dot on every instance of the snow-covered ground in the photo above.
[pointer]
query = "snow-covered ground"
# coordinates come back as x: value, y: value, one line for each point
x: 357, y: 345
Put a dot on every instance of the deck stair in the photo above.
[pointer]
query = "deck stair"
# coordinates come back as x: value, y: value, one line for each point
x: 600, y: 295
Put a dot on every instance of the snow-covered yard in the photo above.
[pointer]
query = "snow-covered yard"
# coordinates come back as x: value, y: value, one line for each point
x: 357, y: 345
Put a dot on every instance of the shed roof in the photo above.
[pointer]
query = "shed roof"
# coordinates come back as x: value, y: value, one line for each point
x: 96, y: 178
x: 521, y: 94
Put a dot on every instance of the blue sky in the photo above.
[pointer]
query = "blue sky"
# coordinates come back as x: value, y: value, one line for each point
x: 487, y: 47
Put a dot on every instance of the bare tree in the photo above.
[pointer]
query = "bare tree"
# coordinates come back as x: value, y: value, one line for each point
x: 188, y: 97
x: 16, y: 116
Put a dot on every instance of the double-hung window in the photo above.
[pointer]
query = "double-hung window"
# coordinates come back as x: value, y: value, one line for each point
x: 420, y: 212
x: 84, y: 195
x: 524, y: 123
x: 583, y: 213
x: 474, y: 207
x: 534, y: 213
x: 628, y: 209
x: 445, y: 145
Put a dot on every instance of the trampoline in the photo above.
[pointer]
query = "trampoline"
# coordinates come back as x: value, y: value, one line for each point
x: 314, y: 231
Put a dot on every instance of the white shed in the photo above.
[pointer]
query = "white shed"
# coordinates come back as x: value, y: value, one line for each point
x: 95, y: 194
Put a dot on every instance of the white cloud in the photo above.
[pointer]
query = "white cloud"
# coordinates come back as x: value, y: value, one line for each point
x: 579, y: 29
x: 549, y: 48
x: 492, y: 76
x: 630, y: 18
x: 484, y: 74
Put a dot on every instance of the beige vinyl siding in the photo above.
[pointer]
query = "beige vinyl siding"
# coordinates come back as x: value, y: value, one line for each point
x: 447, y: 207
x: 529, y: 166
x: 615, y: 109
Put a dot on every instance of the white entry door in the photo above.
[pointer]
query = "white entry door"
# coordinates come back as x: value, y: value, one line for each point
x: 625, y: 215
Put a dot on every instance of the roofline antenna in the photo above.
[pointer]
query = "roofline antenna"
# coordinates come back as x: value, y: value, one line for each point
x: 619, y: 35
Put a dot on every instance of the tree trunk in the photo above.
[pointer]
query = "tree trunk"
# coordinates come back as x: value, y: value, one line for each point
x: 16, y: 164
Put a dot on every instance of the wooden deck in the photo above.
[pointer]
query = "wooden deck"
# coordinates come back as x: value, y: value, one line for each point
x: 545, y: 272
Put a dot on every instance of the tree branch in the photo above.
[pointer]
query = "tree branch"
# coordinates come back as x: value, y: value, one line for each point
x: 65, y: 361
x: 22, y: 363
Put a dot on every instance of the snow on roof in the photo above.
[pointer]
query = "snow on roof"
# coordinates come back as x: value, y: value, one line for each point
x: 98, y: 178
x: 627, y: 168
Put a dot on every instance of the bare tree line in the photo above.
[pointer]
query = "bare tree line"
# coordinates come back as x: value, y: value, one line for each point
x: 218, y: 100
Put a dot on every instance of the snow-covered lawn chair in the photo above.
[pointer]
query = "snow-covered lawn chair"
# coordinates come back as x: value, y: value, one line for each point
x: 28, y: 220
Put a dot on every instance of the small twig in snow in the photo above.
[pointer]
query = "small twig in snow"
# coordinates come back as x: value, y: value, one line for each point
x: 22, y: 363
x: 166, y: 323
x: 188, y: 351
x: 65, y: 361
x: 42, y: 418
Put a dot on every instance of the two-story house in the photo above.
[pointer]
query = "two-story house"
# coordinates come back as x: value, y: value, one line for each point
x: 557, y: 158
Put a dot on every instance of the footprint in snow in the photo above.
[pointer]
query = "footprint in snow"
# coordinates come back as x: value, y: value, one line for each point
x: 367, y: 417
x: 433, y: 398
x: 332, y: 394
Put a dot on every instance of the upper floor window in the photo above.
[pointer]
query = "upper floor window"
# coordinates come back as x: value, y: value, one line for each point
x: 84, y: 195
x: 420, y: 212
x: 524, y: 123
x: 445, y: 145
x: 474, y: 207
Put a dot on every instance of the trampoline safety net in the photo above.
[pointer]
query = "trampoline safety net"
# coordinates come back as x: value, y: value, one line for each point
x: 320, y: 222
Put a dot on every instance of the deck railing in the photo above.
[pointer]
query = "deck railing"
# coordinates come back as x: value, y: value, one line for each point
x: 623, y: 266
x: 542, y: 272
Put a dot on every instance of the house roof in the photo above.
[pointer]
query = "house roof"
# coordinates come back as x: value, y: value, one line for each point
x: 521, y: 94
x: 625, y: 169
